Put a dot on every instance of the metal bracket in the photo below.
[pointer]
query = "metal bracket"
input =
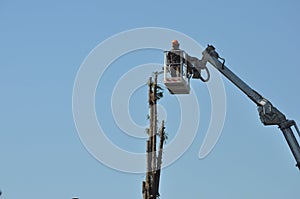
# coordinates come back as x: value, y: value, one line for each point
x: 269, y: 115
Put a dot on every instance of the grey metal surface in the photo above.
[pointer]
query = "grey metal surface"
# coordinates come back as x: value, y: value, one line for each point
x: 269, y: 115
x: 293, y: 144
x: 252, y: 94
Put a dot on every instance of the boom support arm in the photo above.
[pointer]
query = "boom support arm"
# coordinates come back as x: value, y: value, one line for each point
x: 269, y: 115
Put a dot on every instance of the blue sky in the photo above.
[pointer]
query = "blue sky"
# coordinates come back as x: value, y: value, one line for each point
x: 42, y: 45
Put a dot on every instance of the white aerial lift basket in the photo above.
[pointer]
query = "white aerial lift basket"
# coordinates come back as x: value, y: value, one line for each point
x: 176, y: 77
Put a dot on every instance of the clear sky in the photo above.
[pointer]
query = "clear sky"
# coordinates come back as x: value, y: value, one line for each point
x: 42, y: 46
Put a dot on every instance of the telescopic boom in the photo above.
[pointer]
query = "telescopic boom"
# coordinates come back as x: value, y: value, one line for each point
x: 269, y: 115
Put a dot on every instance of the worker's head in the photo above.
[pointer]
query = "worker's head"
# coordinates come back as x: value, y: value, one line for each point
x: 175, y: 44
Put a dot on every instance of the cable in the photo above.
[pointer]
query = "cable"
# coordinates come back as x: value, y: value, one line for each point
x: 208, y: 75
